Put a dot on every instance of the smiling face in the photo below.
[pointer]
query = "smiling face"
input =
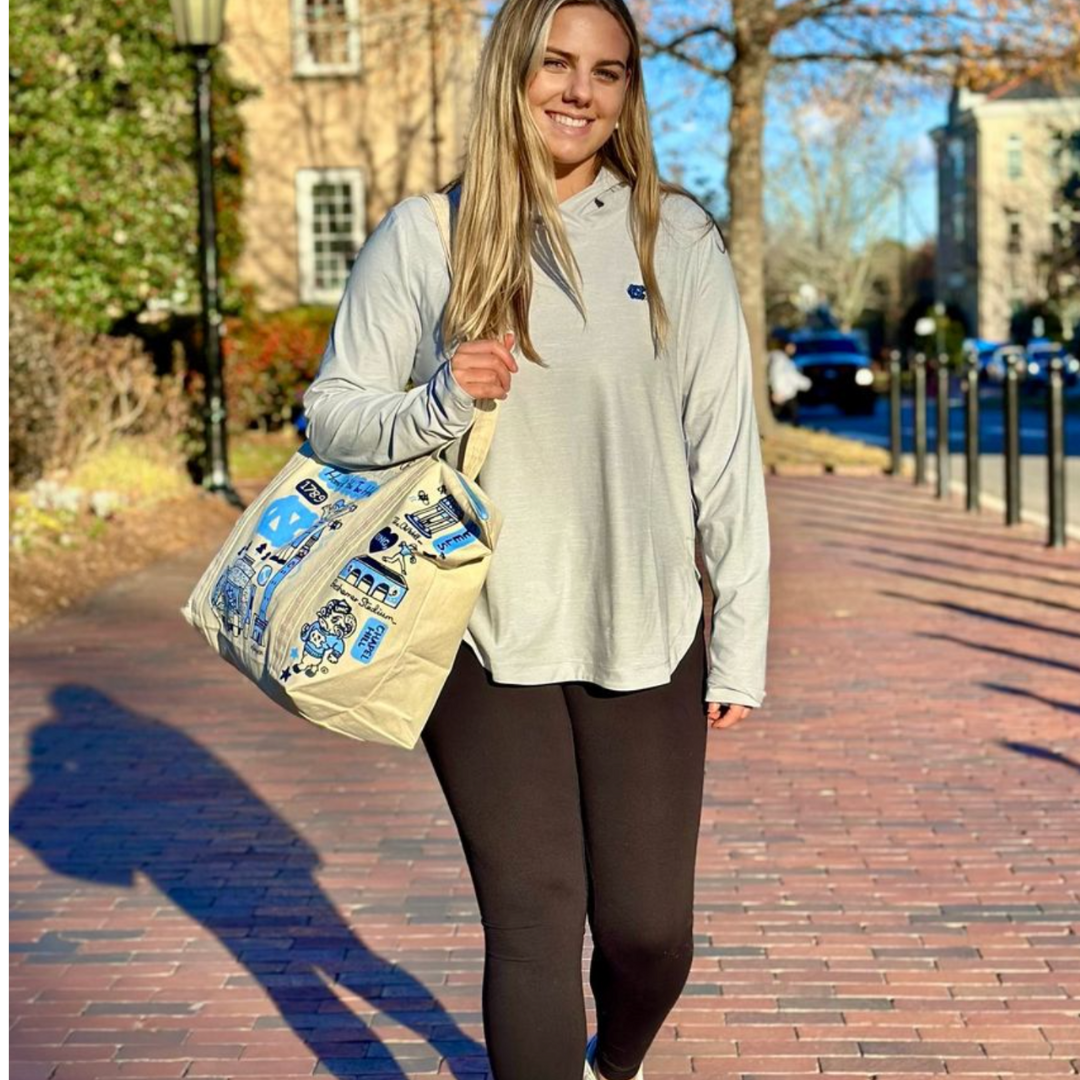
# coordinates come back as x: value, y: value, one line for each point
x: 577, y: 95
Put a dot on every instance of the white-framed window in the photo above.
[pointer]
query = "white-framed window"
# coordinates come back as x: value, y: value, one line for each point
x: 1014, y: 157
x: 330, y: 218
x: 326, y: 37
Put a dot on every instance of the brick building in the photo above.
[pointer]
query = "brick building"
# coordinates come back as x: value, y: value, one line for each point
x: 362, y: 102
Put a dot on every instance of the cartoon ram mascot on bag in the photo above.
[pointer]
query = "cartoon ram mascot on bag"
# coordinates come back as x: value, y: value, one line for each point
x: 324, y: 638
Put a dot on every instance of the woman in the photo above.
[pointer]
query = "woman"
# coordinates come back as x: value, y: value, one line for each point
x: 598, y: 305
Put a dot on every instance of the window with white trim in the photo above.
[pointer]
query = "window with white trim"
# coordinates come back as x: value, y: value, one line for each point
x: 330, y: 215
x: 326, y: 37
x: 1014, y: 157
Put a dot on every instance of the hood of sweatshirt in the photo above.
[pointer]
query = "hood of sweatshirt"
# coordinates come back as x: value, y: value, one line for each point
x: 592, y: 204
x: 600, y: 205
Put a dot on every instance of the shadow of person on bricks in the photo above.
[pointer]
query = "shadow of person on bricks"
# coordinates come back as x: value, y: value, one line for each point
x: 113, y: 793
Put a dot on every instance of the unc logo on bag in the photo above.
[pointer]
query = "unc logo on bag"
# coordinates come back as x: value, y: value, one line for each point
x: 284, y: 520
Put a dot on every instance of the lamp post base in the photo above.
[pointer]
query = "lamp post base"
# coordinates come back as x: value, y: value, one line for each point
x: 228, y: 493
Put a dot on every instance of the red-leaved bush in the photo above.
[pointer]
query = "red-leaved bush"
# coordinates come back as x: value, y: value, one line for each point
x: 269, y: 359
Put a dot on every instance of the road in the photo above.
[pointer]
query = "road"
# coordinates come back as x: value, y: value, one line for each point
x: 1033, y: 427
x: 875, y: 429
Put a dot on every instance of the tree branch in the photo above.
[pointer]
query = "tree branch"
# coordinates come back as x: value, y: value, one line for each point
x: 650, y: 47
x: 706, y: 29
x: 900, y: 57
x: 802, y: 10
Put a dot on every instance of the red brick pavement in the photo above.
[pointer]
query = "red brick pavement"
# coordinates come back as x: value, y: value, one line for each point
x: 889, y: 863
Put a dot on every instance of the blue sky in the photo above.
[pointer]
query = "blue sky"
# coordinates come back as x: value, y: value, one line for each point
x: 690, y: 132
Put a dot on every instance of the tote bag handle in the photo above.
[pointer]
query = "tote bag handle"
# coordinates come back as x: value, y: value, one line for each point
x: 478, y: 438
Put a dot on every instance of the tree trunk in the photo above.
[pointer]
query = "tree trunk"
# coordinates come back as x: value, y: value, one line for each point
x: 745, y: 181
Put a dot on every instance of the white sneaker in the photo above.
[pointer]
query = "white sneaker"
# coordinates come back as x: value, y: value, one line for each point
x: 590, y: 1061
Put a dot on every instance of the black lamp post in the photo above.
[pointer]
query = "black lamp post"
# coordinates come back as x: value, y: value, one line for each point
x: 198, y: 26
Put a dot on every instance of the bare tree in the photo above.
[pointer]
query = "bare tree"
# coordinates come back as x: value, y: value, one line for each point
x: 1061, y: 263
x: 741, y: 43
x: 829, y: 200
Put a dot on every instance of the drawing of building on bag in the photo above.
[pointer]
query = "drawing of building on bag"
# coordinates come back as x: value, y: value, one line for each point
x: 234, y: 592
x: 442, y: 515
x: 375, y: 579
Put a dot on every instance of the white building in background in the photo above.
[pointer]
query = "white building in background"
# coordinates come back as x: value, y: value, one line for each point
x: 998, y: 180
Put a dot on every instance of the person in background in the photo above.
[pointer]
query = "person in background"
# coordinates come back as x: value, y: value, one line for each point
x: 786, y: 381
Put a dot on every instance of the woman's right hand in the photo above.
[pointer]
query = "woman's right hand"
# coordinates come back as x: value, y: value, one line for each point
x: 482, y: 368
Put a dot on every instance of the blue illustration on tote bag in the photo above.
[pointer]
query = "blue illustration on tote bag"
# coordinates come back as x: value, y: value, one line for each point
x: 323, y: 638
x: 444, y: 514
x: 234, y: 592
x: 452, y: 541
x: 345, y: 483
x: 368, y: 640
x: 375, y: 579
x: 285, y: 520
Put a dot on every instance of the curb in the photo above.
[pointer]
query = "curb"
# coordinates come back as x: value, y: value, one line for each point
x: 987, y: 501
x: 957, y: 487
x: 824, y: 468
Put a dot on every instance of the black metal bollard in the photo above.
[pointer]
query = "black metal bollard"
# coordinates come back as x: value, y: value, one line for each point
x: 944, y: 463
x: 920, y: 418
x: 894, y: 412
x: 971, y: 434
x: 1013, y: 361
x: 1055, y: 450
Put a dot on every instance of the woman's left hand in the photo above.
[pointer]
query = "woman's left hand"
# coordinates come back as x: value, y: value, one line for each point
x: 724, y: 715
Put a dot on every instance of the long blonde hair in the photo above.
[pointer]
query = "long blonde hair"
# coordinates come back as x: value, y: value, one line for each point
x: 508, y: 184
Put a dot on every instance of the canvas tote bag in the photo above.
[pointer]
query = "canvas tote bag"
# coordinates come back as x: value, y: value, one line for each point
x: 345, y: 594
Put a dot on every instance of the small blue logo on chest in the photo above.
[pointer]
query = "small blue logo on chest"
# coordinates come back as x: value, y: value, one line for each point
x: 636, y: 292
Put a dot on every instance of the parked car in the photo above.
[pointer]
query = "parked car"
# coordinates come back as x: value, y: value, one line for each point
x: 839, y: 369
x: 1038, y: 355
x: 991, y: 361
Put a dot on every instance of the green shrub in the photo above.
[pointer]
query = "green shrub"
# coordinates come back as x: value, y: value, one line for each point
x: 103, y: 198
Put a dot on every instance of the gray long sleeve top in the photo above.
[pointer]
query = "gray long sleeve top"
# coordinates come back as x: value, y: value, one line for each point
x: 602, y: 463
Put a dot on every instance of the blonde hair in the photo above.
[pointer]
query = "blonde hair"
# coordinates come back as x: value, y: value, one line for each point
x: 508, y: 184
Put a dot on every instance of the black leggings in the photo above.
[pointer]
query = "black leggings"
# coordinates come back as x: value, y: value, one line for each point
x: 574, y: 801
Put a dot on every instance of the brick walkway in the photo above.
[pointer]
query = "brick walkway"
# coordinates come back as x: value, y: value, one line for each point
x: 888, y: 872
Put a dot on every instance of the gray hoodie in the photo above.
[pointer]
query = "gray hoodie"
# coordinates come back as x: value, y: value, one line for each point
x: 602, y: 462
